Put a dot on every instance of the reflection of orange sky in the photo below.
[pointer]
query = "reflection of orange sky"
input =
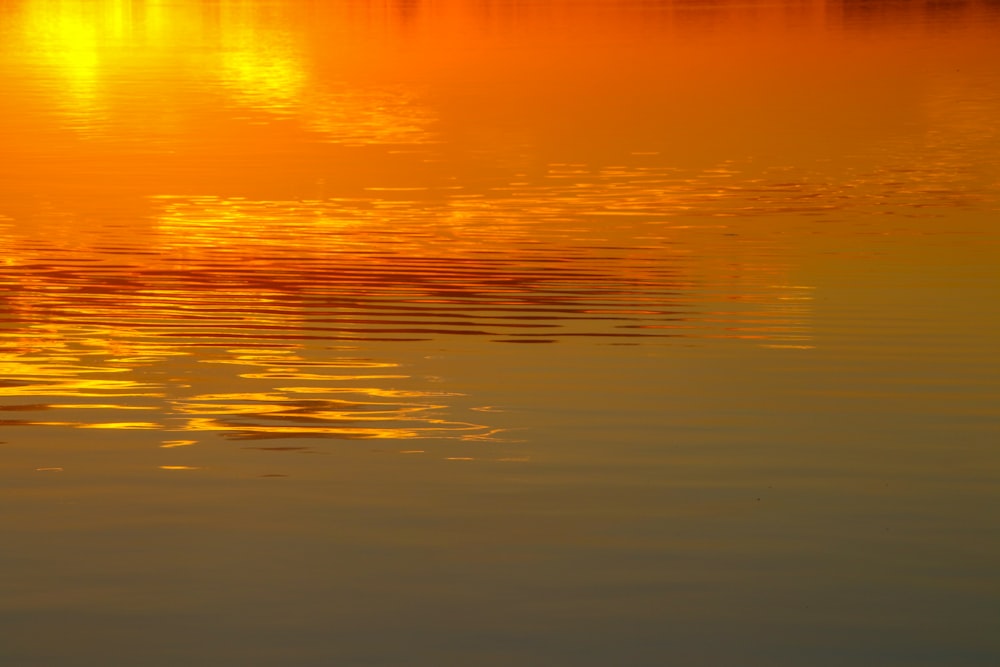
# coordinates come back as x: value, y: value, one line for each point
x: 749, y: 241
x: 323, y: 128
x: 259, y: 58
x: 237, y: 98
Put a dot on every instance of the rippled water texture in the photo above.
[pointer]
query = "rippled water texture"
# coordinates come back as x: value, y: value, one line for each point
x: 562, y: 332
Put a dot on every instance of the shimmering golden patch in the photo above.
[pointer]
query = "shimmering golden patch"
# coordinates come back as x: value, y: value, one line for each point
x: 170, y: 444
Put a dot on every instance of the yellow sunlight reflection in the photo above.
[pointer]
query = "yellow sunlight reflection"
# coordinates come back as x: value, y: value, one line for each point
x: 170, y: 444
x: 346, y: 412
x: 128, y: 426
x: 69, y: 37
x: 266, y: 72
x: 263, y: 66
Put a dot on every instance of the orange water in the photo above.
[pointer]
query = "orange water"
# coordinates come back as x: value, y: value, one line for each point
x: 499, y: 333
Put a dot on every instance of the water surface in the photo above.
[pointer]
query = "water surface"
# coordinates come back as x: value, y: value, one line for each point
x: 543, y: 333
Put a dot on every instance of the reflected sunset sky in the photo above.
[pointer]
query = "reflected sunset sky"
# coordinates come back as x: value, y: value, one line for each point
x: 506, y: 332
x: 413, y: 95
x: 384, y: 174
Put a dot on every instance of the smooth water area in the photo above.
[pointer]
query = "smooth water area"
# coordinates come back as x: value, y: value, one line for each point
x: 538, y: 333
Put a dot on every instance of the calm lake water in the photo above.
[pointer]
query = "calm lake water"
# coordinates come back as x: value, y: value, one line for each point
x: 510, y: 332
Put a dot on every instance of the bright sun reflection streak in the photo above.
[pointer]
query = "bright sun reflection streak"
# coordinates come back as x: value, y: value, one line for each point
x: 128, y: 426
x: 70, y: 38
x: 260, y: 65
x: 170, y: 444
x: 88, y: 44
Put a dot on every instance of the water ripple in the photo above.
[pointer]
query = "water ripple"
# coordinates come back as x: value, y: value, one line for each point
x: 279, y: 301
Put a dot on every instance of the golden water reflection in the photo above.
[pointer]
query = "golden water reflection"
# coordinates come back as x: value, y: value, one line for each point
x: 332, y: 392
x: 252, y: 193
x: 585, y: 332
